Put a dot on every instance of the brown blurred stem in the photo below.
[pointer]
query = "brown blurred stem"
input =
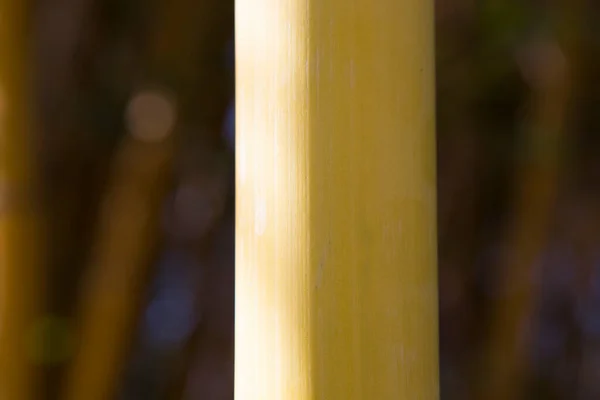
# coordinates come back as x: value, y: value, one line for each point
x: 211, y: 341
x: 210, y: 22
x: 20, y: 245
x: 535, y: 204
x: 72, y: 169
x: 188, y: 51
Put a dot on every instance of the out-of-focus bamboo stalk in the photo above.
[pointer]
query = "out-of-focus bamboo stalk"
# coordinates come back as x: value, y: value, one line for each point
x: 123, y: 252
x: 20, y: 243
x: 130, y: 224
x: 536, y: 194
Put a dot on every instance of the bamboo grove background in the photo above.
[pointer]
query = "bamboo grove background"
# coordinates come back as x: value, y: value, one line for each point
x: 118, y: 202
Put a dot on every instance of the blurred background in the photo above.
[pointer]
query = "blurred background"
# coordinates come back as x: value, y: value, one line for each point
x: 134, y: 148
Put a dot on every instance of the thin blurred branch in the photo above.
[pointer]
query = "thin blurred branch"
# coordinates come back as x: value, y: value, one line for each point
x: 120, y: 264
x: 59, y: 27
x: 204, y: 239
x: 550, y: 73
x: 20, y: 244
x: 204, y: 366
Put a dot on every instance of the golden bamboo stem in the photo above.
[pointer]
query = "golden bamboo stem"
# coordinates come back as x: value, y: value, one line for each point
x: 336, y: 283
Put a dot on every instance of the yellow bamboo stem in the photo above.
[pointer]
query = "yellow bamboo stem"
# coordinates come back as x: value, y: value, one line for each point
x: 336, y: 283
x: 19, y: 241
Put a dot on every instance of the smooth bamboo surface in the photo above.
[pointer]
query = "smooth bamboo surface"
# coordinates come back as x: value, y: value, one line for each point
x: 336, y: 282
x: 19, y: 231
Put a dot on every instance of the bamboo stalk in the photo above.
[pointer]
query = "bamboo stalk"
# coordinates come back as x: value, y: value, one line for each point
x: 124, y: 249
x: 128, y: 233
x: 20, y: 243
x: 536, y: 195
x: 125, y: 244
x: 336, y: 283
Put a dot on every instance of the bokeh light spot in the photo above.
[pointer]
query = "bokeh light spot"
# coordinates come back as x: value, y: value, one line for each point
x: 151, y: 115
